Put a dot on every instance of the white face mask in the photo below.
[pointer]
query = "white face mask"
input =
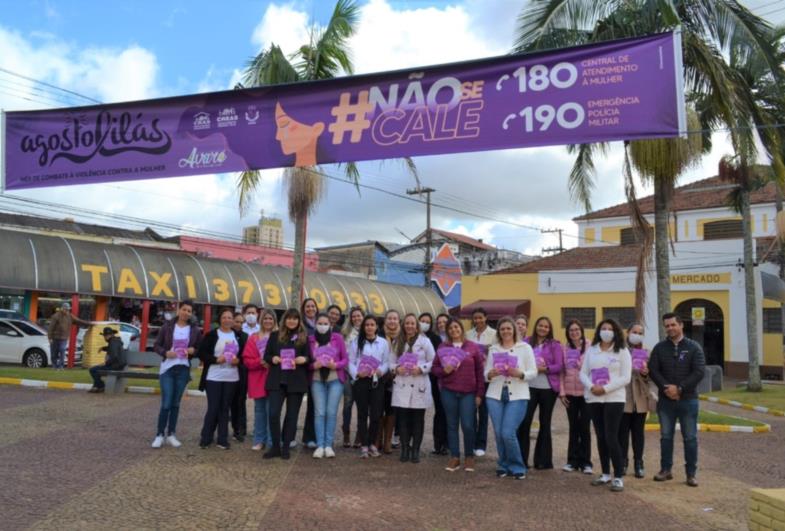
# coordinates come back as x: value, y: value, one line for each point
x: 606, y: 335
x: 424, y: 327
x: 251, y: 319
x: 322, y: 328
x: 636, y: 339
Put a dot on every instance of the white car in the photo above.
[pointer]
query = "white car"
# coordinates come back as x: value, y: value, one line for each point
x: 24, y: 342
x: 128, y: 333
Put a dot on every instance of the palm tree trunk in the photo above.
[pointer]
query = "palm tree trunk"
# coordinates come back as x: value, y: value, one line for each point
x: 300, y: 229
x: 753, y: 380
x: 661, y: 251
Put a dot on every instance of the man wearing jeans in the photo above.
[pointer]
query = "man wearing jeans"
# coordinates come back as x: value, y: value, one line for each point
x: 677, y: 365
x: 59, y: 333
x: 485, y: 336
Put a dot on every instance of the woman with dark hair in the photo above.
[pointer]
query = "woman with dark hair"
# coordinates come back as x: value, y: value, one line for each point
x: 439, y: 422
x: 176, y: 344
x: 522, y: 326
x: 288, y: 355
x: 369, y: 360
x: 328, y: 374
x: 544, y: 389
x: 459, y: 369
x: 572, y: 396
x: 605, y: 374
x: 220, y: 354
x: 350, y: 331
x: 640, y: 400
x: 441, y: 325
x: 308, y: 311
x: 411, y: 387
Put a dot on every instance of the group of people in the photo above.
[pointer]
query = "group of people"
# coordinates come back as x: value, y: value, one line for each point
x: 392, y: 370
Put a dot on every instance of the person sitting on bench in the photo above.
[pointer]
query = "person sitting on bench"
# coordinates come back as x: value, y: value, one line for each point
x: 115, y: 359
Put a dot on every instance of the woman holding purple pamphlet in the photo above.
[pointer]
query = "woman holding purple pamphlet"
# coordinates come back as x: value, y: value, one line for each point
x: 288, y: 354
x: 411, y: 394
x: 253, y: 360
x: 509, y: 367
x: 572, y: 396
x: 220, y: 354
x: 640, y: 400
x: 369, y: 360
x: 545, y: 388
x: 605, y: 374
x: 328, y: 374
x: 458, y: 367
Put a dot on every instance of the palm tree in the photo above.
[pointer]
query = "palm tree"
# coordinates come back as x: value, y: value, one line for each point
x: 325, y: 56
x: 709, y: 28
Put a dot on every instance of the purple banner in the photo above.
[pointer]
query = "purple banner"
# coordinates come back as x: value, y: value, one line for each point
x: 619, y: 90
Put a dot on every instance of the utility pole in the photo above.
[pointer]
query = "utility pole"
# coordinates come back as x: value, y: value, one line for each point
x: 427, y: 260
x: 558, y: 249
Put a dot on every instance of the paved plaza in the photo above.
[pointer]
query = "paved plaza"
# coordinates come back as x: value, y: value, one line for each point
x: 69, y: 460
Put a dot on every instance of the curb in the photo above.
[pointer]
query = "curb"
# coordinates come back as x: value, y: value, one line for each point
x: 720, y: 428
x: 741, y: 405
x: 71, y: 386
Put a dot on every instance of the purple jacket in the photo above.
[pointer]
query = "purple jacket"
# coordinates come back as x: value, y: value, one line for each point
x: 468, y: 377
x: 337, y: 342
x: 553, y: 354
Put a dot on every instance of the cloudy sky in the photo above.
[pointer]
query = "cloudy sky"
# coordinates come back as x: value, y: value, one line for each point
x: 118, y: 51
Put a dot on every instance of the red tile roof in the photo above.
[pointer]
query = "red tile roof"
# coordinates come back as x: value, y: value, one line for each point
x: 460, y: 238
x: 581, y: 258
x: 706, y: 193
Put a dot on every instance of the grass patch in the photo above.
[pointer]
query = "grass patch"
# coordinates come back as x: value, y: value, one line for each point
x: 772, y: 396
x: 710, y: 417
x: 80, y: 375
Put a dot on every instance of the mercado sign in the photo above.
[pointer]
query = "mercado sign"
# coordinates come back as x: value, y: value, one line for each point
x: 619, y: 90
x: 701, y: 278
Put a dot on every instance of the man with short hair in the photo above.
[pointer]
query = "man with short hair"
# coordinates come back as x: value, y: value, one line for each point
x: 334, y: 315
x: 677, y: 365
x: 485, y: 336
x: 59, y: 333
x: 115, y: 359
x: 250, y: 319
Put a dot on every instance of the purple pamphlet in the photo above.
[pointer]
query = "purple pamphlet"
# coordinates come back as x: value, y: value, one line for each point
x: 503, y: 362
x: 287, y: 359
x: 639, y: 358
x: 451, y: 356
x: 573, y: 356
x: 367, y: 364
x: 326, y: 354
x: 230, y: 351
x: 600, y: 376
x: 261, y: 345
x: 539, y: 359
x: 180, y: 347
x: 408, y: 361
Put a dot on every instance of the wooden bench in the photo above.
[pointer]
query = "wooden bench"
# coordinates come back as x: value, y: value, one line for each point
x: 115, y: 380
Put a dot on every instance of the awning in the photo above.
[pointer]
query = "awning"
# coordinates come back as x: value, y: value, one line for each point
x: 772, y: 286
x: 497, y: 309
x: 37, y: 262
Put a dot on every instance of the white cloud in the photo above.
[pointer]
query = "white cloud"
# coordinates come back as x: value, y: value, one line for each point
x: 282, y: 25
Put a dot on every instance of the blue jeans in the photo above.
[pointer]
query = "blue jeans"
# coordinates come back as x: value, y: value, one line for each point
x: 506, y: 417
x: 57, y: 351
x: 173, y: 383
x: 686, y: 411
x: 261, y: 422
x: 459, y: 407
x: 326, y: 397
x: 97, y: 382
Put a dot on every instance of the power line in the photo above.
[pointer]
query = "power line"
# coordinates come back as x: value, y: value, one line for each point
x: 44, y: 83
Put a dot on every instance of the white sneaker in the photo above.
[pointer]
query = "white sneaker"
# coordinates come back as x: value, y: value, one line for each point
x: 318, y: 453
x: 158, y: 441
x: 293, y: 444
x: 479, y: 453
x: 173, y: 442
x: 311, y: 445
x: 617, y: 485
x: 568, y: 468
x: 588, y: 470
x: 396, y: 440
x: 329, y: 452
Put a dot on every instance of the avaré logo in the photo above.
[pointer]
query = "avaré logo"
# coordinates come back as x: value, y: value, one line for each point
x: 203, y: 159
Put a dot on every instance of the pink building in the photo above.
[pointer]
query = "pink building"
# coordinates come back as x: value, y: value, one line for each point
x: 245, y: 253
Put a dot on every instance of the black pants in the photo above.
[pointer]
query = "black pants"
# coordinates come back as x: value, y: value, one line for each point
x: 607, y: 418
x: 219, y: 400
x: 632, y: 424
x: 275, y: 400
x: 439, y: 418
x: 411, y: 423
x: 309, y: 430
x: 238, y: 413
x: 370, y: 404
x: 481, y: 424
x: 543, y: 448
x: 579, y: 418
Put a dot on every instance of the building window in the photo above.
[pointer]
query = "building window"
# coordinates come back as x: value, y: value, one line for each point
x: 772, y: 321
x: 723, y: 229
x: 623, y: 315
x: 587, y: 316
x: 628, y: 236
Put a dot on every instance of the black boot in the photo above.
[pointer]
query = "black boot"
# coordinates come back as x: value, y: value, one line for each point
x: 624, y: 468
x: 415, y: 455
x: 639, y: 470
x: 405, y: 452
x: 274, y: 451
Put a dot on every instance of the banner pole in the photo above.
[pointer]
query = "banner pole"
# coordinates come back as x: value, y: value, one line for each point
x: 679, y: 67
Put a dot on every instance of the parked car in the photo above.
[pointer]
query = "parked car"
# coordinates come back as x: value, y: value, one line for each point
x: 128, y: 333
x: 24, y: 342
x: 11, y: 314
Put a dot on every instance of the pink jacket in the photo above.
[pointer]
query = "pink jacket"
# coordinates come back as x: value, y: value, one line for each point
x: 553, y: 354
x: 337, y: 342
x: 253, y: 353
x: 570, y: 378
